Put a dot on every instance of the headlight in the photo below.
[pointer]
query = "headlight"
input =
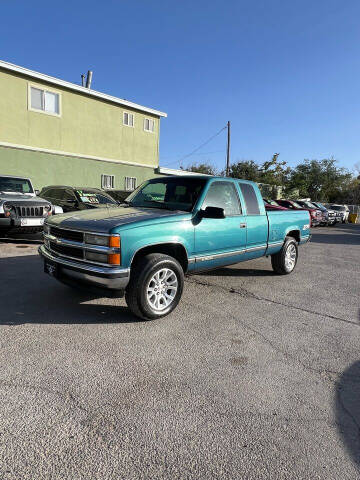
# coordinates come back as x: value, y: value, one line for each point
x: 102, y: 240
x: 111, y: 258
x: 7, y: 209
x: 97, y: 257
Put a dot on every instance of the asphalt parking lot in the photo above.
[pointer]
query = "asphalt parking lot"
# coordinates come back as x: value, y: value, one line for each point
x: 254, y: 376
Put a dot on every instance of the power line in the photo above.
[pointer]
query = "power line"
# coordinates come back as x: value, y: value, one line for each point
x: 197, y: 154
x: 198, y: 148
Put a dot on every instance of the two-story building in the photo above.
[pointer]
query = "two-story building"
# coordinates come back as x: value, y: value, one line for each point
x: 57, y: 132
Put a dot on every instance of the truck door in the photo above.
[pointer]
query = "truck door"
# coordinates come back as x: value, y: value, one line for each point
x: 256, y: 221
x: 220, y: 241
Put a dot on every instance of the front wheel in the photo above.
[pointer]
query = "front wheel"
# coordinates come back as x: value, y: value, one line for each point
x: 155, y: 287
x: 284, y: 261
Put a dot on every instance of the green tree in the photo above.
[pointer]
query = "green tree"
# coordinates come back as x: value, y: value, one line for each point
x: 274, y: 172
x: 205, y: 168
x: 245, y: 169
x: 320, y: 179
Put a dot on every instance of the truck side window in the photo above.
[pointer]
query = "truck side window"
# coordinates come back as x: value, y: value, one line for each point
x: 251, y: 201
x: 223, y: 195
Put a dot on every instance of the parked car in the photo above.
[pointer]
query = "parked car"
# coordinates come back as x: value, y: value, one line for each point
x: 292, y: 205
x: 170, y: 226
x: 77, y: 198
x: 272, y: 205
x: 343, y: 210
x: 315, y: 213
x: 337, y: 215
x: 20, y: 209
x: 118, y: 195
x: 329, y: 216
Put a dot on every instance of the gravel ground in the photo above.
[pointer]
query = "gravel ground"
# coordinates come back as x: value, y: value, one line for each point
x: 254, y: 376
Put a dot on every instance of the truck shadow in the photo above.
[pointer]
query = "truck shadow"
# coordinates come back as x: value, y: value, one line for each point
x: 28, y: 295
x: 347, y: 410
x: 346, y: 234
x: 236, y: 271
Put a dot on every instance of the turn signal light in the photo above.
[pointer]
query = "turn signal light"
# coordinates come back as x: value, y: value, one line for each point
x: 114, y: 242
x: 114, y: 258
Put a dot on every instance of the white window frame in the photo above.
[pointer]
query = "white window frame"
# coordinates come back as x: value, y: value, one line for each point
x: 131, y: 179
x: 151, y: 120
x: 125, y: 112
x: 44, y: 89
x: 112, y: 181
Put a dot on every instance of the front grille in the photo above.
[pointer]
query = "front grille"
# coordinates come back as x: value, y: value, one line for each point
x: 24, y: 211
x: 67, y: 234
x: 68, y: 251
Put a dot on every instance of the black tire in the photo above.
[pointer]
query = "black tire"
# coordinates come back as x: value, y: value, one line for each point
x: 141, y: 274
x: 278, y: 262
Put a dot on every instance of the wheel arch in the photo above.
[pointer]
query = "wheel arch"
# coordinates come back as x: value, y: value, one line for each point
x: 294, y: 233
x: 174, y: 249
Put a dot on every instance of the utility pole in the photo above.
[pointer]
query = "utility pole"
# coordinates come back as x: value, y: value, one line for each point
x: 228, y: 150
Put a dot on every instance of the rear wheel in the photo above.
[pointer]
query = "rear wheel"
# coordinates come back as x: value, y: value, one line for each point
x: 156, y: 285
x: 285, y: 261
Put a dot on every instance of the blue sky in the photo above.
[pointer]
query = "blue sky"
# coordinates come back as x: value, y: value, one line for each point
x: 285, y: 73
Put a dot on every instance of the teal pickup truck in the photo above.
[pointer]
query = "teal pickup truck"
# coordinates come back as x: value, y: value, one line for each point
x: 169, y: 227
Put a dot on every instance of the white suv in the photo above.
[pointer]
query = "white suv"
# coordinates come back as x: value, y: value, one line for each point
x: 344, y: 211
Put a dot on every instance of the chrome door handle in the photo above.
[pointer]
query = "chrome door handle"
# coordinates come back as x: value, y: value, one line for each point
x: 242, y: 225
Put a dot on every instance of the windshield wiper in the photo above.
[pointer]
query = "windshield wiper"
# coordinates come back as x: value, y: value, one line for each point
x: 158, y: 205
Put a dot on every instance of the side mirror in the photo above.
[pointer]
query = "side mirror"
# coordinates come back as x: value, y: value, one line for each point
x: 37, y: 192
x: 213, y: 212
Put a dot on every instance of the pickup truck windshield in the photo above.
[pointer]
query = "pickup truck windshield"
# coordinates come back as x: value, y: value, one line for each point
x: 174, y: 193
x: 14, y: 184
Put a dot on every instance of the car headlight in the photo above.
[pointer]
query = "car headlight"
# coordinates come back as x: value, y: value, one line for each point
x: 97, y: 257
x: 7, y: 209
x: 103, y: 240
x: 110, y: 259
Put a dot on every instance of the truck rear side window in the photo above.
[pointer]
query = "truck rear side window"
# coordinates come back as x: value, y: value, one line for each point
x: 251, y: 201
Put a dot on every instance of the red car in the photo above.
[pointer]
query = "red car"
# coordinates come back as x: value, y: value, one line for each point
x: 315, y: 213
x: 315, y: 218
x: 272, y: 205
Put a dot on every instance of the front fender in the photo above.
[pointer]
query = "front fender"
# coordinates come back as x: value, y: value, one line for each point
x: 133, y: 240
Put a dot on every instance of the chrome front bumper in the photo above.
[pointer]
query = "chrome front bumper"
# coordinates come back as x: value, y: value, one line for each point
x: 112, y: 278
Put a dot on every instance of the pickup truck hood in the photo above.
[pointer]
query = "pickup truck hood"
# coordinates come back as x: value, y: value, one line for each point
x: 105, y: 219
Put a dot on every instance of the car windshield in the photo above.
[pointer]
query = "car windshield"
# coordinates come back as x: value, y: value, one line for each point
x: 295, y: 204
x: 14, y: 184
x: 309, y: 204
x: 171, y: 193
x: 339, y: 208
x: 95, y: 198
x: 271, y: 202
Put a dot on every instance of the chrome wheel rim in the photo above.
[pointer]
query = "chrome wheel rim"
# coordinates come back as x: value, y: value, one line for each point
x: 161, y: 289
x: 290, y: 257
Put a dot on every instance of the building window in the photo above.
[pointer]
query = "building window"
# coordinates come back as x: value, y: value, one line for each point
x: 128, y: 119
x: 130, y: 184
x: 107, y: 181
x: 44, y: 101
x: 149, y: 125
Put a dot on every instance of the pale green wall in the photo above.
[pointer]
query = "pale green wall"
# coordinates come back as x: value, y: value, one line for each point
x: 47, y: 169
x: 87, y: 126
